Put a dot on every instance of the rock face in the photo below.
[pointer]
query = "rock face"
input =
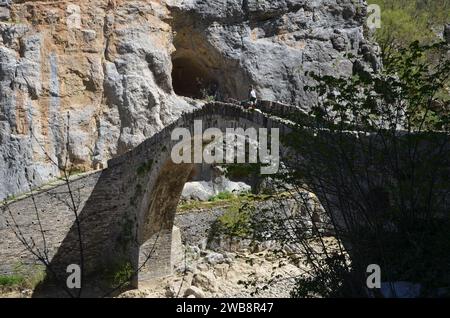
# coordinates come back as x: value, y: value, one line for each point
x: 112, y: 71
x: 269, y: 44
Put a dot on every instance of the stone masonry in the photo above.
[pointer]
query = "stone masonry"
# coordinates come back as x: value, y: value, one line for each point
x: 127, y: 210
x: 121, y: 208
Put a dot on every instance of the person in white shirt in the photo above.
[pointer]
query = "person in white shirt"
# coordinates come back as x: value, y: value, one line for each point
x: 252, y: 96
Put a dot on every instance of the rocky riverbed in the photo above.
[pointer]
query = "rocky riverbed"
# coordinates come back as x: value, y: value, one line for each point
x: 259, y: 272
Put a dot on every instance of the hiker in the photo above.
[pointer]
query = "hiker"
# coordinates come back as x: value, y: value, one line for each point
x: 214, y: 91
x: 252, y: 96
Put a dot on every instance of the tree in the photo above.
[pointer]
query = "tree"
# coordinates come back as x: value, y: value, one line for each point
x: 376, y: 152
x: 404, y: 21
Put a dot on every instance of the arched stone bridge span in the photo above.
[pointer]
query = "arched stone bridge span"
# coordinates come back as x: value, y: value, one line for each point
x: 127, y: 206
x: 127, y: 210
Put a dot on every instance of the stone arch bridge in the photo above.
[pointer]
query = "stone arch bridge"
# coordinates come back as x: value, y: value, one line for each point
x: 124, y: 206
x: 126, y: 210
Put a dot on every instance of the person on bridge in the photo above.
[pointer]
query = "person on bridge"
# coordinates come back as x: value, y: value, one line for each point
x: 252, y: 97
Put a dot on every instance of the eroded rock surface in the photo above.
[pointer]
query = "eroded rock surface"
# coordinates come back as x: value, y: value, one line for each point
x: 112, y: 70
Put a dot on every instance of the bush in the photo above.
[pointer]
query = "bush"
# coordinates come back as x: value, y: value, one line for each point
x: 235, y: 224
x: 377, y: 157
x: 119, y: 274
x: 11, y: 280
x: 123, y: 274
x: 23, y: 276
x: 236, y: 221
x: 222, y: 196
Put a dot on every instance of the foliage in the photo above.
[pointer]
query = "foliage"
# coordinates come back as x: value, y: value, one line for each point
x: 222, y: 196
x: 404, y: 96
x: 228, y: 201
x: 23, y: 277
x: 330, y: 281
x: 242, y: 170
x: 404, y: 21
x: 191, y: 205
x: 120, y: 274
x: 11, y: 280
x: 417, y: 252
x: 378, y: 158
x: 235, y: 222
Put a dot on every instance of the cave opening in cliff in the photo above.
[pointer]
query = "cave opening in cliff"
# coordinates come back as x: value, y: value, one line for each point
x: 191, y: 79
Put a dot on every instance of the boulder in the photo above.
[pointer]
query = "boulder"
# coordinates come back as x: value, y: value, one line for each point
x: 203, y: 267
x: 223, y: 184
x: 221, y: 270
x: 215, y: 258
x: 179, y: 286
x: 200, y: 191
x: 206, y: 281
x: 194, y: 291
x: 203, y: 190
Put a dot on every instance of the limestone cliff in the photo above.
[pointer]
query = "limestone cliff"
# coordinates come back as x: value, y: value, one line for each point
x: 114, y: 70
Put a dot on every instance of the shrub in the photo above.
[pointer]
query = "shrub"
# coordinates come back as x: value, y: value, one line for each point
x: 11, y: 280
x: 222, y: 196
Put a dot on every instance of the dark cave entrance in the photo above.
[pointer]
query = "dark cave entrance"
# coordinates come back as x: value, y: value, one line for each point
x: 191, y: 79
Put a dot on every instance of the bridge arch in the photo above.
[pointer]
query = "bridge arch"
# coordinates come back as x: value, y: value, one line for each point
x: 165, y: 182
x: 130, y: 206
x: 134, y: 200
